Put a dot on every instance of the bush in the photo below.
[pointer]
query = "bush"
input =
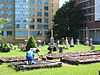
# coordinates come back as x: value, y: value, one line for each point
x: 5, y: 47
x: 31, y: 43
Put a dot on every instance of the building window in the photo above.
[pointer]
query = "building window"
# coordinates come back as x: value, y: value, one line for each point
x: 89, y: 3
x: 89, y: 10
x: 39, y: 1
x: 46, y: 8
x: 40, y: 27
x: 46, y: 33
x: 46, y: 14
x: 1, y: 26
x: 1, y: 12
x: 9, y: 26
x: 9, y: 33
x: 9, y: 13
x: 32, y: 20
x: 31, y: 26
x: 32, y: 14
x: 32, y: 7
x: 1, y: 0
x: 17, y: 26
x: 46, y: 20
x: 39, y: 7
x: 9, y: 19
x: 33, y: 33
x: 39, y: 14
x: 89, y: 18
x: 84, y: 11
x: 25, y: 19
x: 39, y: 33
x: 9, y: 6
x: 21, y: 33
x: 1, y: 6
x: 8, y: 0
x: 17, y: 20
x: 45, y: 26
x: 84, y: 4
x: 46, y: 1
x: 39, y: 20
x: 32, y: 1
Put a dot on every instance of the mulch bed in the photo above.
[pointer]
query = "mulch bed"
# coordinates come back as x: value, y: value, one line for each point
x: 83, y: 57
x: 12, y: 59
x: 39, y: 64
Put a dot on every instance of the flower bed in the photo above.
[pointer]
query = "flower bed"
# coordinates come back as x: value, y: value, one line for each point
x: 12, y: 59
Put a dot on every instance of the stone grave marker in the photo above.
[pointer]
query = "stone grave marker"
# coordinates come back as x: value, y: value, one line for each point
x: 78, y: 42
x: 67, y: 44
x: 72, y: 42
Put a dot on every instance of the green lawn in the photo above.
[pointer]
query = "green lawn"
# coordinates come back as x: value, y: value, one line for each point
x: 90, y: 69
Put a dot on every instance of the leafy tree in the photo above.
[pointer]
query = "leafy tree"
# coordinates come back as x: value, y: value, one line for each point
x: 68, y: 20
x: 31, y: 43
x: 2, y: 21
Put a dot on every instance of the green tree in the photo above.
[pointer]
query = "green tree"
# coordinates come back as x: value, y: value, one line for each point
x: 68, y: 20
x: 31, y: 43
x: 2, y: 21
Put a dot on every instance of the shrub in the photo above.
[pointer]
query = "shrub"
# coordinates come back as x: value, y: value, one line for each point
x: 5, y: 47
x: 31, y: 43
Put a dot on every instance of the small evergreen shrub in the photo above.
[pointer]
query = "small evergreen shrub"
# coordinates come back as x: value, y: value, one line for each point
x: 5, y: 47
x: 31, y: 43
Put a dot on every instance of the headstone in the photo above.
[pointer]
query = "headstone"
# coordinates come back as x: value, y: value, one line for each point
x: 44, y: 43
x: 78, y: 42
x: 67, y: 44
x: 39, y: 43
x: 63, y: 41
x: 52, y: 40
x: 87, y: 42
x: 72, y: 42
x: 91, y: 45
x: 58, y: 43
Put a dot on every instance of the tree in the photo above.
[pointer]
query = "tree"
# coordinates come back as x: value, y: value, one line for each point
x: 2, y: 21
x: 31, y: 43
x: 68, y: 20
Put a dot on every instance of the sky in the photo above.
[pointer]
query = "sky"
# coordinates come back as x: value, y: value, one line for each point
x: 61, y: 2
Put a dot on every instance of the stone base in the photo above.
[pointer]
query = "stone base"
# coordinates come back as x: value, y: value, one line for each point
x: 92, y: 47
x: 71, y: 45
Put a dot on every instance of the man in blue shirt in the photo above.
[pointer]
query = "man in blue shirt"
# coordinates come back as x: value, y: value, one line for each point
x: 30, y: 55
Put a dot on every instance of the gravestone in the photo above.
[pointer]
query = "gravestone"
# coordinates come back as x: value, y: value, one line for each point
x: 72, y: 42
x: 78, y: 42
x: 44, y: 43
x: 63, y: 41
x: 58, y: 43
x: 91, y: 45
x: 39, y: 43
x: 51, y: 42
x: 67, y: 44
x: 87, y: 42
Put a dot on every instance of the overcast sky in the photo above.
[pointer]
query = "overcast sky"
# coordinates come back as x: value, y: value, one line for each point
x: 61, y: 2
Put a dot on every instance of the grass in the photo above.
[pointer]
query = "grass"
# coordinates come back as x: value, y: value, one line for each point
x: 90, y: 69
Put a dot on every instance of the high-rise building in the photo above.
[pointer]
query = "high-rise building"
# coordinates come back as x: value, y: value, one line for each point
x: 91, y: 10
x: 26, y: 18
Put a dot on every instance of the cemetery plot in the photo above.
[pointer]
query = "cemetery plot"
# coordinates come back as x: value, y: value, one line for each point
x: 12, y: 59
x: 70, y: 54
x: 83, y: 58
x: 38, y: 64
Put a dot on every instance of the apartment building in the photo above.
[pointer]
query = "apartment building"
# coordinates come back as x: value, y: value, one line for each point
x: 91, y: 9
x: 26, y: 18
